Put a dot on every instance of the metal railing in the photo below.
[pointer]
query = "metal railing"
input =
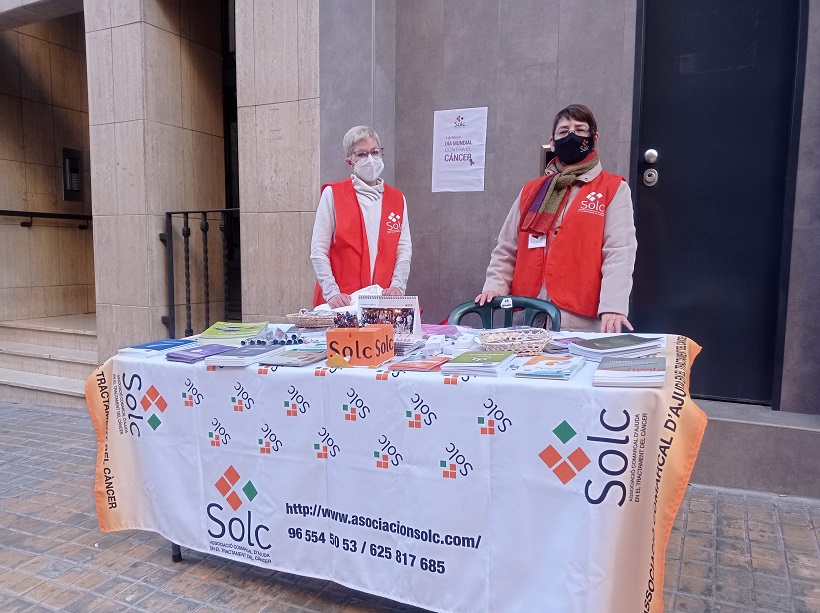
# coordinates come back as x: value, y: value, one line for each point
x: 34, y: 214
x: 225, y: 216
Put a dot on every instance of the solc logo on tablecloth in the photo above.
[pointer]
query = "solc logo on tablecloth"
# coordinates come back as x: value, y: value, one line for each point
x: 455, y: 464
x: 129, y: 417
x: 153, y: 399
x: 264, y: 370
x: 420, y: 413
x: 495, y: 419
x: 388, y: 454
x: 454, y: 379
x: 218, y: 435
x: 269, y: 441
x: 323, y: 371
x: 553, y: 458
x: 326, y: 446
x: 357, y: 403
x: 296, y: 403
x: 191, y: 396
x: 384, y: 375
x: 612, y: 461
x: 245, y: 534
x: 242, y: 399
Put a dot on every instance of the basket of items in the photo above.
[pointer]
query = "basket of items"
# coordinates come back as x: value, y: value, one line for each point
x: 521, y: 341
x: 312, y: 319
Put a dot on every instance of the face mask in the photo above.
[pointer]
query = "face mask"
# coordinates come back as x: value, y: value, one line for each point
x: 369, y: 169
x: 573, y: 148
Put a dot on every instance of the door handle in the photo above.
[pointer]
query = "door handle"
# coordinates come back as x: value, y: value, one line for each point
x: 650, y: 156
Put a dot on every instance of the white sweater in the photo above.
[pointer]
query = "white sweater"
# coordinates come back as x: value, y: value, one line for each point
x: 324, y: 232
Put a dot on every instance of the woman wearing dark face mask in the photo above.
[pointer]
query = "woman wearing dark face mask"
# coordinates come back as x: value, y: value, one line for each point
x: 570, y: 235
x: 361, y: 234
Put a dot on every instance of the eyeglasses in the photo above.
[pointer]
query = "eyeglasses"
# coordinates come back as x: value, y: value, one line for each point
x: 358, y: 156
x: 562, y: 132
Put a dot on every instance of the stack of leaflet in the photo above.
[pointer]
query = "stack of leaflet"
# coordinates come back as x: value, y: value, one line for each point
x: 149, y: 350
x: 232, y: 333
x: 191, y: 355
x: 616, y: 346
x: 243, y: 356
x: 300, y: 355
x: 630, y: 372
x: 485, y: 363
x: 558, y: 367
x: 403, y: 345
x: 420, y: 362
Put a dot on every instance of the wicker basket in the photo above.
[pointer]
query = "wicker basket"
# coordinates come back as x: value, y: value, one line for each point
x: 524, y: 341
x: 311, y: 320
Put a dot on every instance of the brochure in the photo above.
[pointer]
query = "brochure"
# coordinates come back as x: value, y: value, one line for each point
x: 487, y: 363
x: 196, y: 354
x: 634, y: 372
x: 148, y: 350
x: 560, y: 367
x: 617, y: 345
x: 425, y: 363
x: 295, y: 356
x: 232, y: 333
x: 243, y: 356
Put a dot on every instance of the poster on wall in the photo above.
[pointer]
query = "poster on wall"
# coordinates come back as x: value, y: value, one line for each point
x: 459, y: 139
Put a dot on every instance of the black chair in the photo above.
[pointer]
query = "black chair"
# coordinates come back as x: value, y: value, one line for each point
x: 532, y: 307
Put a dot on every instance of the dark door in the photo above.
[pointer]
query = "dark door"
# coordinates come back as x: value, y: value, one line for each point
x: 716, y: 105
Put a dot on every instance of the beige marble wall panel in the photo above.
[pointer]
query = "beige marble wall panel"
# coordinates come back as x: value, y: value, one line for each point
x: 38, y: 132
x: 162, y: 14
x: 17, y: 303
x: 13, y: 184
x: 69, y: 131
x: 156, y: 261
x: 11, y: 129
x: 206, y: 90
x: 128, y: 75
x: 308, y: 48
x: 40, y: 179
x: 248, y: 160
x: 97, y: 15
x: 104, y: 168
x: 9, y: 62
x: 164, y: 187
x: 65, y: 31
x: 90, y: 299
x: 70, y: 259
x: 64, y: 300
x: 35, y: 69
x: 280, y: 294
x: 125, y: 12
x: 130, y: 167
x: 245, y: 53
x: 121, y: 326
x: 306, y: 273
x: 15, y: 270
x: 163, y: 93
x: 36, y: 29
x: 276, y: 51
x: 88, y: 244
x: 277, y: 151
x: 44, y: 255
x: 308, y: 189
x: 252, y: 266
x: 187, y: 171
x: 208, y: 171
x: 100, y: 71
x: 121, y: 259
x: 66, y: 87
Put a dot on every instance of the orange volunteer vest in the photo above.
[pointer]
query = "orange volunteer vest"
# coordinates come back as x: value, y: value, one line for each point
x: 349, y: 253
x: 571, y: 269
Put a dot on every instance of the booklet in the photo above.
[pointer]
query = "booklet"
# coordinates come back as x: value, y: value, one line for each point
x: 232, y: 333
x: 425, y: 363
x: 196, y: 354
x: 243, y: 356
x: 147, y: 350
x: 630, y: 372
x: 618, y: 345
x: 487, y: 363
x: 560, y: 367
x: 295, y: 356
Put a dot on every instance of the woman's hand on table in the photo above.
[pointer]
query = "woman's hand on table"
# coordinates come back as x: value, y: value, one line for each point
x: 486, y: 297
x: 614, y: 322
x: 392, y: 291
x: 339, y: 300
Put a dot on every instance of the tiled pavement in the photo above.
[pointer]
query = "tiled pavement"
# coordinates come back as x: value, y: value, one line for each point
x: 731, y: 550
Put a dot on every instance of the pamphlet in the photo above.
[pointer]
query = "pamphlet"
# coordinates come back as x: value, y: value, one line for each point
x: 148, y: 350
x: 487, y: 363
x: 295, y: 356
x: 232, y: 333
x: 560, y: 367
x: 425, y: 363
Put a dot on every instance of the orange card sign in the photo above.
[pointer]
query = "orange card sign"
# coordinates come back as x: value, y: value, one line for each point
x: 367, y: 346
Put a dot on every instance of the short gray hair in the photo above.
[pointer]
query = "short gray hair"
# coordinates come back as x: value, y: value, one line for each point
x: 355, y: 134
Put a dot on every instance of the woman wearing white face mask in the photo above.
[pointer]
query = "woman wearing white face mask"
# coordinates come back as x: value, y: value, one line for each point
x: 361, y: 235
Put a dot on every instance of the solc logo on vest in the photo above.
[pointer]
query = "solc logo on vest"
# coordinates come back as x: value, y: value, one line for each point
x: 393, y: 223
x: 592, y: 203
x: 238, y: 536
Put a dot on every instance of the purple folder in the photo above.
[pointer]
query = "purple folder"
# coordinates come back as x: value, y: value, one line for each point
x: 196, y: 354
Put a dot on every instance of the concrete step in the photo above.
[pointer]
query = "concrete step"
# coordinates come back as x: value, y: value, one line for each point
x: 59, y: 361
x: 67, y: 332
x: 46, y: 390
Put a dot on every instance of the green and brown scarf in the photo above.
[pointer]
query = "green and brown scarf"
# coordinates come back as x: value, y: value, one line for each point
x: 549, y: 201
